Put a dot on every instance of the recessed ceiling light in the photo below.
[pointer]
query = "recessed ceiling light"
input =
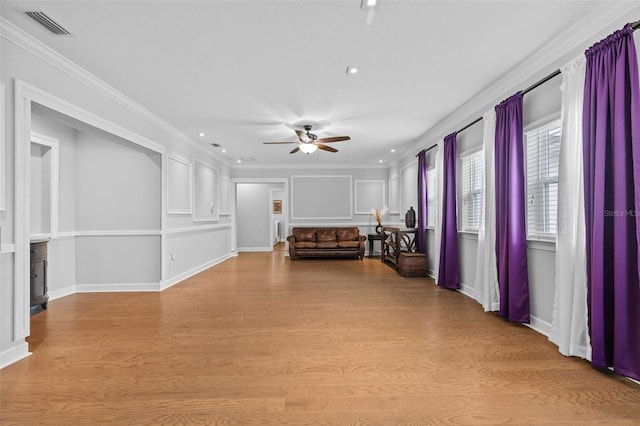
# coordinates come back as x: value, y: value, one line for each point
x: 367, y: 4
x: 238, y: 161
x: 224, y: 150
x: 379, y: 161
x: 352, y: 70
x: 393, y: 150
x: 201, y: 134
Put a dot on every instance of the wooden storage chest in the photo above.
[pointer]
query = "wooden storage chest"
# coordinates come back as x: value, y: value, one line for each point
x: 412, y: 264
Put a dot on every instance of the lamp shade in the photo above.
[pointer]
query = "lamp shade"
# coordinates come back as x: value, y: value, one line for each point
x: 308, y: 148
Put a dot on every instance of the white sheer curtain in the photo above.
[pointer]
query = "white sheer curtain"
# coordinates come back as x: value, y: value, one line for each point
x: 569, y: 329
x: 486, y: 285
x: 438, y: 230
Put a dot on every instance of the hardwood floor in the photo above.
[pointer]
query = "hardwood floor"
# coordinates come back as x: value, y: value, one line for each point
x: 259, y: 339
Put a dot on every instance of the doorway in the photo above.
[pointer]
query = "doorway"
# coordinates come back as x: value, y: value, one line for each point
x: 258, y: 228
x: 77, y: 236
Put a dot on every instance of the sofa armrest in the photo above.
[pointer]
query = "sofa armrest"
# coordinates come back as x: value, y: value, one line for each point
x: 292, y: 250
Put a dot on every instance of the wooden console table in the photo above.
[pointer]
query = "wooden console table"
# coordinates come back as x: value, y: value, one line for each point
x: 395, y: 241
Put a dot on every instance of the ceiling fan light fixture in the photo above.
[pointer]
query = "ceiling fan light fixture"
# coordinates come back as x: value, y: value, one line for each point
x: 308, y: 148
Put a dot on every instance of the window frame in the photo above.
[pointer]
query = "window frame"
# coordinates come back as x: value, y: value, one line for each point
x: 478, y: 152
x: 548, y: 123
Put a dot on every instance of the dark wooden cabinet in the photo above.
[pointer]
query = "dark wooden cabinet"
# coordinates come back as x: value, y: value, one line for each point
x: 39, y: 294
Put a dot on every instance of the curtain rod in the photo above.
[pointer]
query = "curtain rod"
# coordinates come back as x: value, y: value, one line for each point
x: 426, y: 149
x: 634, y: 26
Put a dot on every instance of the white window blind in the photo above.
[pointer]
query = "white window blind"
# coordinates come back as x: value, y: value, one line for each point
x: 543, y: 152
x: 472, y: 191
x: 431, y: 197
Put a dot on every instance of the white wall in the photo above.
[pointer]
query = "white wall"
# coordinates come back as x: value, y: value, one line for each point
x: 118, y: 185
x: 408, y: 189
x: 40, y: 189
x: 188, y: 250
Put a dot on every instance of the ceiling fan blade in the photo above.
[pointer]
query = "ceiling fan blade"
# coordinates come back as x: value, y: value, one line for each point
x: 272, y: 143
x: 334, y: 139
x: 303, y: 136
x: 296, y: 149
x: 325, y: 147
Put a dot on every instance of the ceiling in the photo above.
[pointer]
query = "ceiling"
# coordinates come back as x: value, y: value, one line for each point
x: 244, y: 72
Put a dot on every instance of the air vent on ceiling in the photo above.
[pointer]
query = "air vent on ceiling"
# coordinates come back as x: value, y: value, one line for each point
x: 217, y: 145
x: 47, y: 22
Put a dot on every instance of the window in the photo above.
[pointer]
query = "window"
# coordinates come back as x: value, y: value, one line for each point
x: 431, y: 197
x: 472, y: 193
x: 543, y: 152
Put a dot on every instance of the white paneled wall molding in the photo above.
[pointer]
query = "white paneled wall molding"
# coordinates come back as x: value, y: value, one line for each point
x: 321, y: 197
x: 369, y: 194
x: 179, y: 185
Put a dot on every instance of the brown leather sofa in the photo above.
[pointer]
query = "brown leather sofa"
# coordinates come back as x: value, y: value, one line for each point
x: 326, y: 242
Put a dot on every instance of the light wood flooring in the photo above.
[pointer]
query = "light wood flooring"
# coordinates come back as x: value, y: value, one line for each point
x: 260, y: 340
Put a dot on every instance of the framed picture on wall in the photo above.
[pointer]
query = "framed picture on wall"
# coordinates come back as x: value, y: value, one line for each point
x: 277, y: 206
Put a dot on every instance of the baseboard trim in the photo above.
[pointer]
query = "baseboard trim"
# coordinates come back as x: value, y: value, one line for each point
x: 467, y: 291
x: 183, y: 276
x: 14, y: 354
x: 539, y: 325
x: 62, y: 292
x: 240, y: 249
x: 536, y: 324
x: 117, y: 287
x: 136, y: 287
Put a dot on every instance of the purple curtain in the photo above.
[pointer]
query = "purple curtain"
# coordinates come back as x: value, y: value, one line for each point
x: 449, y: 270
x: 422, y: 201
x: 611, y: 138
x: 511, y: 237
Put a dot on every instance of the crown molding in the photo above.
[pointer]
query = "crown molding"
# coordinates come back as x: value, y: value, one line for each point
x: 289, y: 167
x: 600, y: 22
x: 14, y: 34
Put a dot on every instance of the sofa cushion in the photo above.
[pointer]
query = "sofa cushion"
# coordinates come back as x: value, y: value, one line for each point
x: 326, y: 235
x: 348, y: 234
x: 304, y: 244
x: 348, y: 244
x: 304, y: 234
x: 327, y: 244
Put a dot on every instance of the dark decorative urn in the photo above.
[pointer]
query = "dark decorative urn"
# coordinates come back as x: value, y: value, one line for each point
x: 410, y: 218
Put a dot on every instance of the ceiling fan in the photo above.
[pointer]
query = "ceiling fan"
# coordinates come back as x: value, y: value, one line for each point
x: 308, y: 142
